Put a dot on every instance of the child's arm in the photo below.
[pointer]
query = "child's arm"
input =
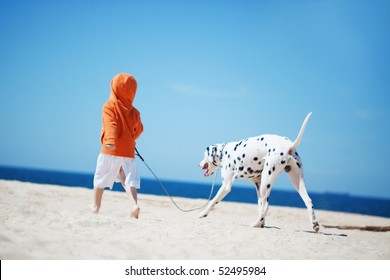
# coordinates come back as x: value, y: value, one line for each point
x: 109, y: 128
x: 138, y: 127
x: 139, y: 130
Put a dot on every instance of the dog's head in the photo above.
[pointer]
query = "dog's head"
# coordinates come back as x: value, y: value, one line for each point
x: 210, y: 161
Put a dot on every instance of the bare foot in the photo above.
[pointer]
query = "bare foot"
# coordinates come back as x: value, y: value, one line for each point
x: 135, y: 213
x: 94, y: 209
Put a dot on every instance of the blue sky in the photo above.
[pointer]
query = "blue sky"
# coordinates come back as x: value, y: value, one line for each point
x: 208, y: 72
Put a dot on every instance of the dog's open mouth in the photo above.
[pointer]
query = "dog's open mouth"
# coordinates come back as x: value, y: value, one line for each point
x: 206, y: 167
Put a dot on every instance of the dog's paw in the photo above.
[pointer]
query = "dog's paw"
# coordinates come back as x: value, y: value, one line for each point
x: 203, y: 215
x: 316, y: 226
x: 258, y: 224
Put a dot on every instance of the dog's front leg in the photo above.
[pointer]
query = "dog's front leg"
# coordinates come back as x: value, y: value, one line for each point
x: 222, y: 192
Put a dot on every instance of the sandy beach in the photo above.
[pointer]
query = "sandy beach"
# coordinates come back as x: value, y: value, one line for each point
x: 48, y: 222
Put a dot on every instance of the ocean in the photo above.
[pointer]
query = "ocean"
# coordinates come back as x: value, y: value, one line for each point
x: 324, y: 201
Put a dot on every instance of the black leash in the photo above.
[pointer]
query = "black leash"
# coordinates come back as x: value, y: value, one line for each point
x: 167, y: 193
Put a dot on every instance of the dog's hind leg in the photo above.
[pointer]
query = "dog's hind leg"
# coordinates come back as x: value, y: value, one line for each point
x: 296, y: 177
x: 257, y: 183
x: 269, y: 176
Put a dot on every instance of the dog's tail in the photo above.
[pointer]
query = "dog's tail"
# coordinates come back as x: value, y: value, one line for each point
x: 300, y: 134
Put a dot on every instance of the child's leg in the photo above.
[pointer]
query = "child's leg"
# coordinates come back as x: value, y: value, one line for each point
x: 106, y: 170
x: 98, y: 194
x: 132, y: 193
x: 133, y: 198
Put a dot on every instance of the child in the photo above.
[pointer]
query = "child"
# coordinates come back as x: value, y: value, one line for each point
x: 121, y: 127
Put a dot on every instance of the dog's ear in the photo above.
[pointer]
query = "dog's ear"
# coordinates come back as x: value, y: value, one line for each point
x: 211, y: 152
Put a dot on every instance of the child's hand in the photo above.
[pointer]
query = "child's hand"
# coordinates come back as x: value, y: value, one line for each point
x: 110, y: 147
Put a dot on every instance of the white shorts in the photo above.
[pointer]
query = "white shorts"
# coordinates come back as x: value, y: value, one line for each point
x: 107, y: 171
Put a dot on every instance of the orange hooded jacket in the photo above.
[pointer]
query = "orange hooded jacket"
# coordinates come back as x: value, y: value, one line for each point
x: 121, y: 121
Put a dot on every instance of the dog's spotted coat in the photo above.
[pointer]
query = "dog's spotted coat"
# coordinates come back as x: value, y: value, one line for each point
x: 258, y: 159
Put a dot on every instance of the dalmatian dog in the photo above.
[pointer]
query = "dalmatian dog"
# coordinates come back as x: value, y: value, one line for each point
x: 260, y: 160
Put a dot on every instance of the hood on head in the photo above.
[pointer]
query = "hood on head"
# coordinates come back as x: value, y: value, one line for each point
x: 124, y: 87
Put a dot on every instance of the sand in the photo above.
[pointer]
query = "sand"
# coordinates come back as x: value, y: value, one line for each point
x: 45, y: 222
